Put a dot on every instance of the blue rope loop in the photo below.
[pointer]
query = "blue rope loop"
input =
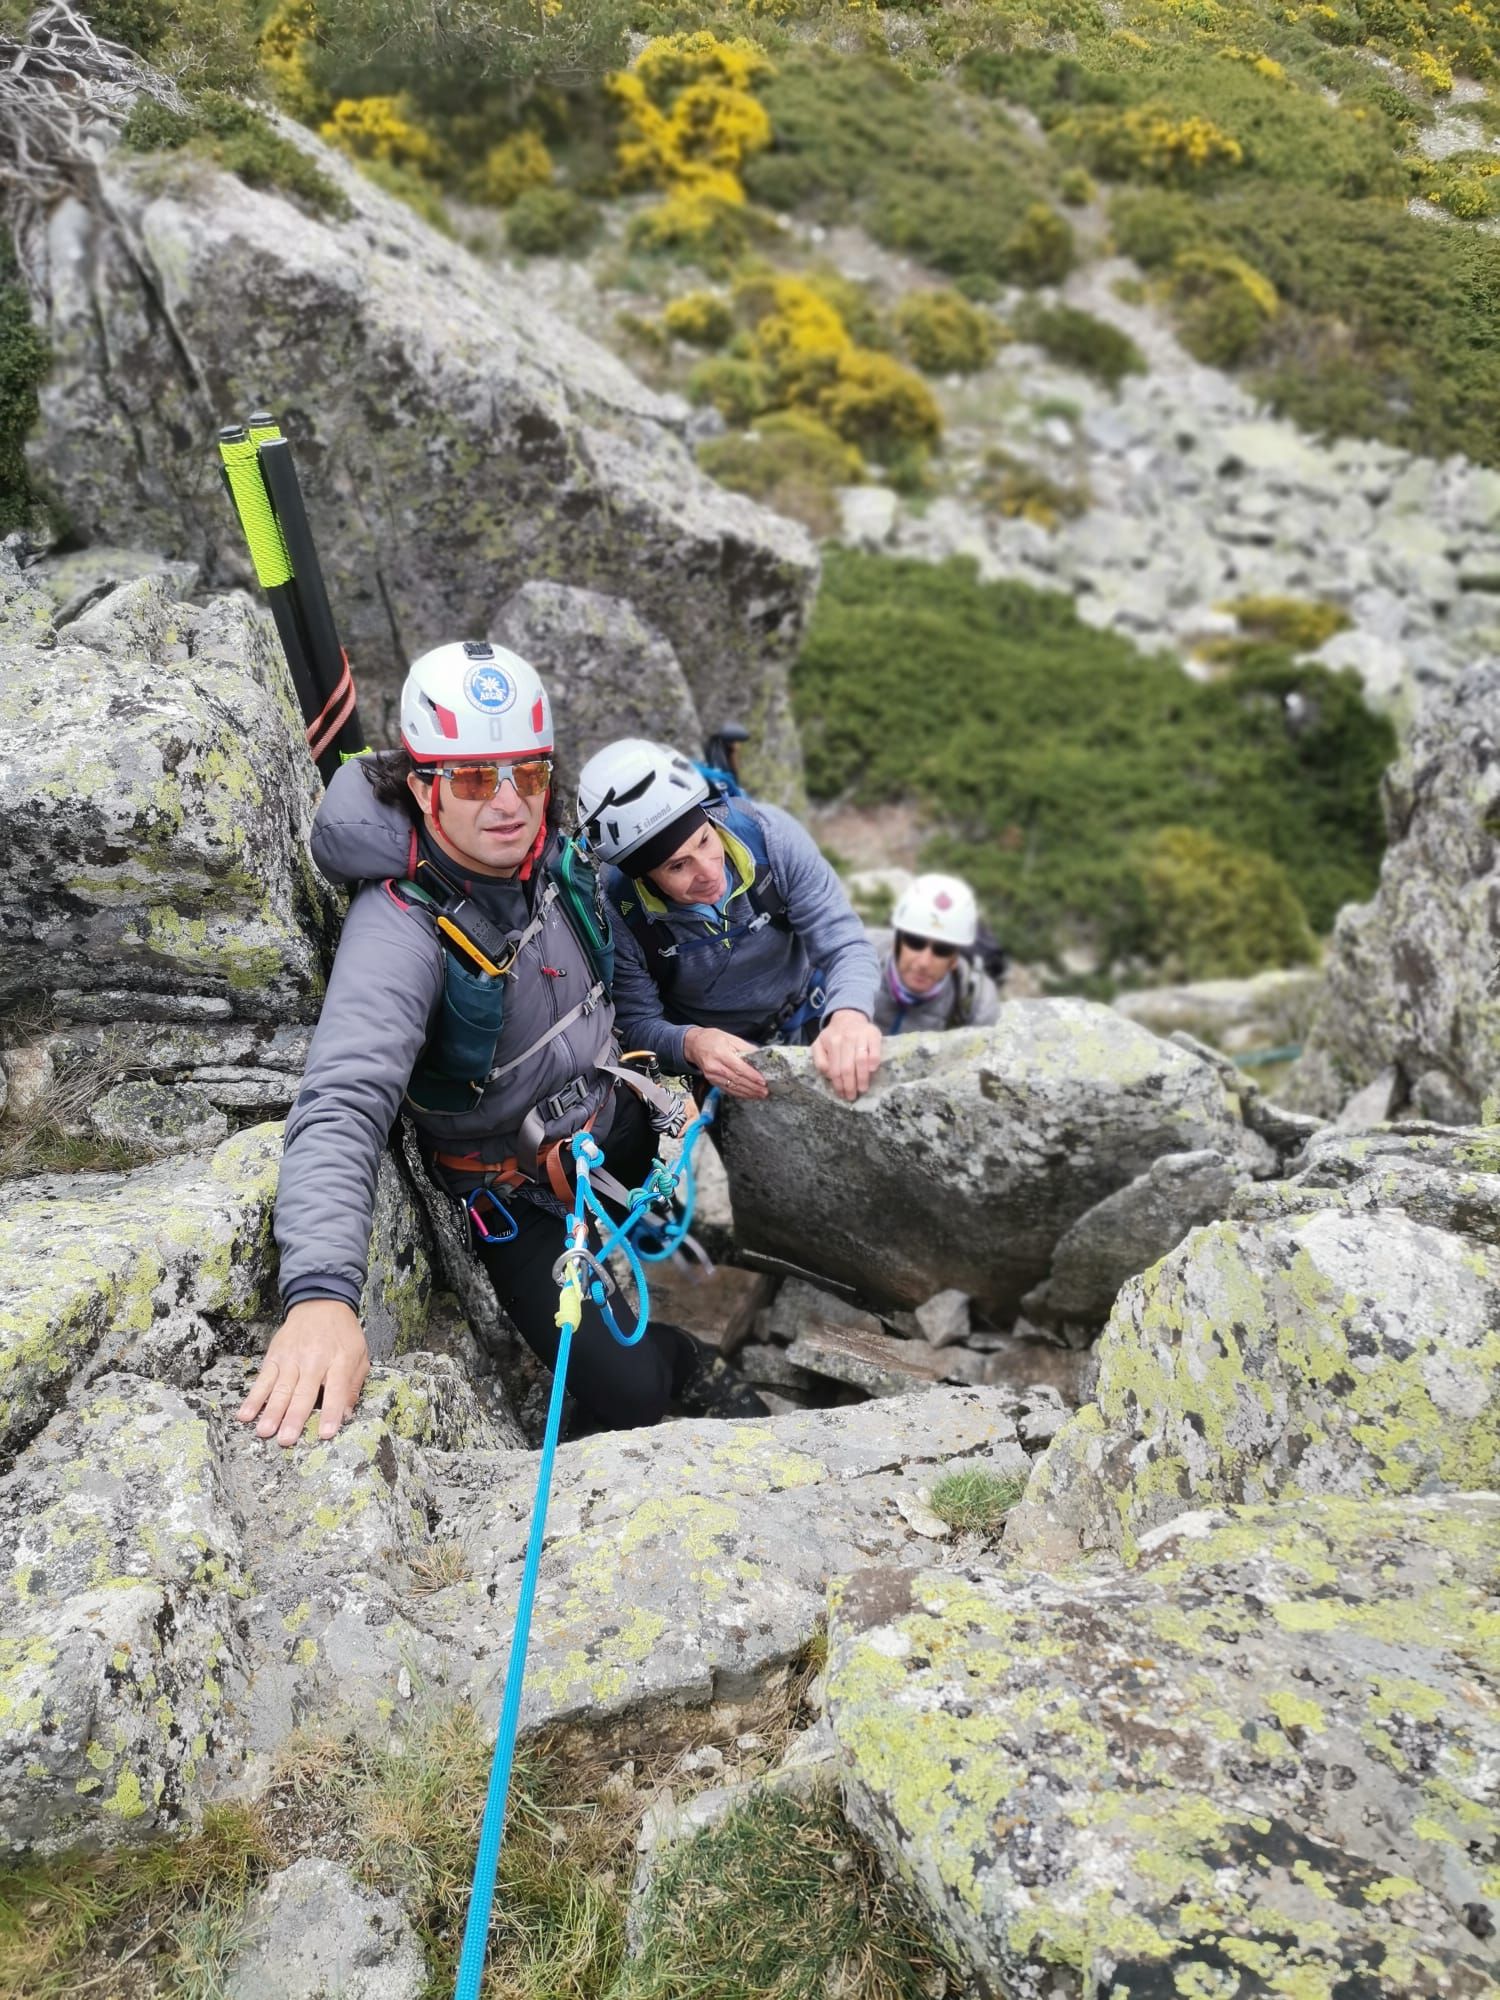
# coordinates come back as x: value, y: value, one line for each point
x: 661, y: 1184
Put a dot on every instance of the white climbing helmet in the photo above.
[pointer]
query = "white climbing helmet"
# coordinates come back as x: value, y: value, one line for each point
x: 633, y: 789
x: 473, y: 700
x: 938, y: 906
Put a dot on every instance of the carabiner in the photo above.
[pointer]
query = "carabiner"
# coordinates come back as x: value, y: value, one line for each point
x: 471, y: 1203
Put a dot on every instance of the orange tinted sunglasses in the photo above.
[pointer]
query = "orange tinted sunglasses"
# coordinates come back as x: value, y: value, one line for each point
x: 475, y: 782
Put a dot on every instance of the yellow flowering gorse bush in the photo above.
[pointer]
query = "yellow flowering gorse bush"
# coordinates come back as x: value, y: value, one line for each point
x: 380, y: 128
x: 286, y: 41
x: 1147, y: 140
x: 510, y: 168
x: 690, y: 115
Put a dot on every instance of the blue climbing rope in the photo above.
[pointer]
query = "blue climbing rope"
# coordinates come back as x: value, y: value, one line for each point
x: 660, y: 1185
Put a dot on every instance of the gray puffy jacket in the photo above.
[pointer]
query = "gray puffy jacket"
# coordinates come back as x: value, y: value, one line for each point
x: 383, y: 1003
x: 727, y: 974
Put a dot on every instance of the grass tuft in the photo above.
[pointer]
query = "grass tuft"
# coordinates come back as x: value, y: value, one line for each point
x: 972, y: 1499
x: 64, y: 1923
x: 780, y: 1901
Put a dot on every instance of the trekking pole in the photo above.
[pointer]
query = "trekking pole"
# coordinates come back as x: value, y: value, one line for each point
x: 262, y: 483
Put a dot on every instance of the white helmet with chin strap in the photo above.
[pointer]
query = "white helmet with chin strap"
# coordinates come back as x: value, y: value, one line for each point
x: 631, y: 792
x: 471, y: 700
x: 940, y: 907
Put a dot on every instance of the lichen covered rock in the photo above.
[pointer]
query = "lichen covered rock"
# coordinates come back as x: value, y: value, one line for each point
x: 1260, y: 1762
x: 1410, y: 979
x: 682, y: 1564
x: 607, y: 671
x: 161, y: 1270
x: 1330, y: 1353
x: 454, y: 439
x: 157, y: 802
x: 120, y: 1662
x: 973, y: 1153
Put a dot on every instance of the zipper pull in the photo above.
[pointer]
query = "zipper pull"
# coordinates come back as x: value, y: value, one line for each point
x: 555, y: 971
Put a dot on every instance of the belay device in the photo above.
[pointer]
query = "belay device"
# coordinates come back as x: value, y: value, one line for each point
x: 262, y: 482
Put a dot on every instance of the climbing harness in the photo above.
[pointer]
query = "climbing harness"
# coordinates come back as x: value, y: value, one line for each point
x: 581, y: 1274
x: 256, y: 461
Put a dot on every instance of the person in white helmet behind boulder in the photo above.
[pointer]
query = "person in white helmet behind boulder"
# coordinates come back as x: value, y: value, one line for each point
x: 931, y: 977
x: 469, y: 990
x: 731, y: 930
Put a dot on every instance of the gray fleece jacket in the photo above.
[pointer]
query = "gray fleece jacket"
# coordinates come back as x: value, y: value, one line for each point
x: 384, y: 1000
x: 727, y: 976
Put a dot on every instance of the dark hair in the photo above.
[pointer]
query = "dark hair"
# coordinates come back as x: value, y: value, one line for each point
x: 388, y: 770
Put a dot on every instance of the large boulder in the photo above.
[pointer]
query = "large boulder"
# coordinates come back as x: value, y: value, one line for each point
x: 161, y: 1270
x: 157, y: 799
x: 974, y: 1152
x: 1261, y: 1762
x: 1340, y: 1350
x: 454, y: 439
x: 608, y: 672
x: 1411, y: 980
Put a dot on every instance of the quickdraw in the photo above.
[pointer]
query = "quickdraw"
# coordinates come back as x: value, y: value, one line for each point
x: 582, y: 1274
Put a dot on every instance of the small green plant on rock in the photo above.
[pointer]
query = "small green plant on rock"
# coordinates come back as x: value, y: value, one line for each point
x: 237, y: 137
x: 1009, y: 486
x: 974, y: 1500
x: 1302, y: 623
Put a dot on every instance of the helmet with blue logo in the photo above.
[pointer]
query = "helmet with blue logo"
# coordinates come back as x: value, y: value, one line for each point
x: 473, y: 700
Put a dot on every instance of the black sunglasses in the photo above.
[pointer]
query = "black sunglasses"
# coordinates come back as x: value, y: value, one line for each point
x: 935, y: 945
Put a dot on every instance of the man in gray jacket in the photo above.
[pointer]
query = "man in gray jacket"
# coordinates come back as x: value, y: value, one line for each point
x: 470, y: 989
x: 731, y: 929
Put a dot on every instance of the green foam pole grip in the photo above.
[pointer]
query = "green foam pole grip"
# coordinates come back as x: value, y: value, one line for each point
x: 253, y: 505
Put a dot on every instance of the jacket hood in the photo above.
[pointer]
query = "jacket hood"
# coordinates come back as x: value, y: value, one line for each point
x: 354, y: 837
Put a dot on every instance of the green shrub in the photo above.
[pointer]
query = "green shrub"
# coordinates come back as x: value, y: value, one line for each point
x: 792, y: 462
x: 1156, y: 226
x: 703, y: 319
x: 698, y: 228
x: 875, y: 403
x: 922, y: 168
x: 1039, y: 250
x: 1219, y: 912
x: 1223, y: 305
x: 1412, y: 359
x: 1077, y: 187
x: 1051, y: 751
x: 242, y: 140
x: 944, y: 334
x: 510, y: 168
x: 156, y: 128
x: 736, y: 389
x: 24, y: 356
x: 546, y: 222
x: 1078, y: 340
